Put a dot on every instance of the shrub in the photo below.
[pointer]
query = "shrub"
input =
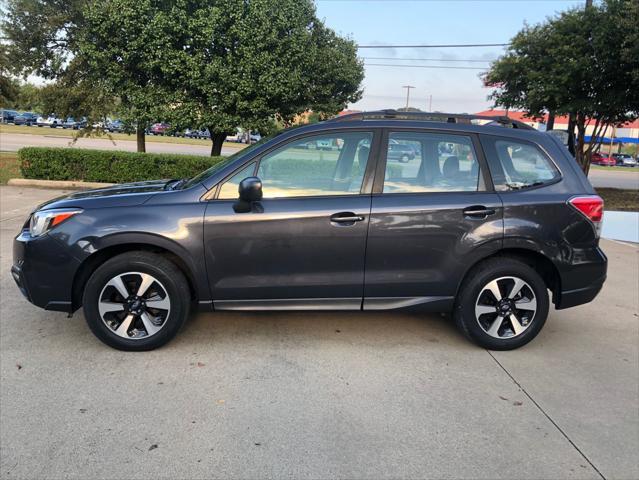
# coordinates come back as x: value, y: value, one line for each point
x: 108, y: 166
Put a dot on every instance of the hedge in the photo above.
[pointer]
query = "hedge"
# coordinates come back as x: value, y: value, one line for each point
x: 108, y: 166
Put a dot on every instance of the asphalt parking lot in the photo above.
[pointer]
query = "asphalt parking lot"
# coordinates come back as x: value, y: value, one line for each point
x: 319, y: 395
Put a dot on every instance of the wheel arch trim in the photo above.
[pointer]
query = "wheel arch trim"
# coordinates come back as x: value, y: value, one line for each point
x: 111, y: 245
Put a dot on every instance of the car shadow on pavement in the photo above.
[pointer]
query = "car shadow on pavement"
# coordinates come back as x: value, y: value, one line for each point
x: 382, y: 329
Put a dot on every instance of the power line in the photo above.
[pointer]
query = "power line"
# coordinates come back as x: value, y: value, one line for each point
x: 422, y: 66
x: 428, y: 59
x: 460, y: 45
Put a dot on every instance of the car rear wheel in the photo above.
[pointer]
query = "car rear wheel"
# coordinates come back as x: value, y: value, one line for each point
x: 136, y: 301
x: 502, y: 304
x: 404, y: 159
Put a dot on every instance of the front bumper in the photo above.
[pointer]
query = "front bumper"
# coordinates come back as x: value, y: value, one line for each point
x: 43, y: 271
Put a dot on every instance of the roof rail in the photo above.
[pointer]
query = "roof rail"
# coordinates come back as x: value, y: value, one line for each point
x: 461, y: 118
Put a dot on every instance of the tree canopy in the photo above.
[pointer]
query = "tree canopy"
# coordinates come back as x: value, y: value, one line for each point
x: 579, y: 63
x: 223, y: 64
x: 216, y: 64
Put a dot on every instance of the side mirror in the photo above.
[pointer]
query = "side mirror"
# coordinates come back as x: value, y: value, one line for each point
x: 250, y: 191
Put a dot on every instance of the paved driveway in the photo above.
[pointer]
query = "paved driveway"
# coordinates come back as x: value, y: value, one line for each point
x: 319, y: 395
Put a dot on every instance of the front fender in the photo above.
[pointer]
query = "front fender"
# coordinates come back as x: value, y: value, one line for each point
x: 176, y: 228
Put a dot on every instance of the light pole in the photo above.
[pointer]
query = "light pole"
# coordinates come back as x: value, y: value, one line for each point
x: 407, y: 87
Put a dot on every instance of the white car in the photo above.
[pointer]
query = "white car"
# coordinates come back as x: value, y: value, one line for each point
x: 50, y: 121
x: 237, y: 137
x: 625, y: 160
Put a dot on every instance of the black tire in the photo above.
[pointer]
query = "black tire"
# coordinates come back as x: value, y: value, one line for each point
x: 404, y: 159
x: 171, y: 278
x: 476, y: 280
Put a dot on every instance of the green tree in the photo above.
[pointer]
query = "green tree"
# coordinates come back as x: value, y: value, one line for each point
x: 237, y: 63
x: 41, y: 35
x: 128, y: 55
x: 574, y: 64
x: 9, y: 87
x: 42, y: 39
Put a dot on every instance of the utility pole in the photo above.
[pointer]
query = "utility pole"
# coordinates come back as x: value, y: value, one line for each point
x: 407, y: 87
x: 430, y: 103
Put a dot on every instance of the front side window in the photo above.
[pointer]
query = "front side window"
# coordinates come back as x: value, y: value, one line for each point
x: 430, y: 162
x: 230, y: 189
x: 329, y: 164
x: 515, y: 165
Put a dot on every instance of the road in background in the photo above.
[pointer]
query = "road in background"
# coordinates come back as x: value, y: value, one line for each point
x: 319, y: 394
x: 614, y: 178
x: 15, y: 141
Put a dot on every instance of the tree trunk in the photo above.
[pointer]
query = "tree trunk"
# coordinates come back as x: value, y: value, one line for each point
x: 217, y: 139
x: 571, y: 134
x: 139, y: 133
x: 582, y: 157
x: 551, y: 121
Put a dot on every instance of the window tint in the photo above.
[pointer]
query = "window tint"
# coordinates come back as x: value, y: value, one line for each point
x: 229, y: 190
x: 515, y: 165
x: 430, y: 162
x: 332, y: 164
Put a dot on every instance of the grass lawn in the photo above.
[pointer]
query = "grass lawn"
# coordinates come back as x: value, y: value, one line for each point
x: 9, y: 166
x: 60, y: 132
x: 620, y: 200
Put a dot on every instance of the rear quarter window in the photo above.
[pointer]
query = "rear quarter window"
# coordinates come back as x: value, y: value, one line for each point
x: 518, y: 164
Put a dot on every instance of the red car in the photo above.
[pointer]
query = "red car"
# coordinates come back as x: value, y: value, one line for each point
x: 159, y: 128
x: 604, y: 160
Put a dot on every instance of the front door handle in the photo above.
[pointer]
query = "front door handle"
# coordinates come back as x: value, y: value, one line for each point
x: 346, y: 218
x: 478, y: 211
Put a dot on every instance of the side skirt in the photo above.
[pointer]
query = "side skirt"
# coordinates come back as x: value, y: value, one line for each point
x: 433, y: 304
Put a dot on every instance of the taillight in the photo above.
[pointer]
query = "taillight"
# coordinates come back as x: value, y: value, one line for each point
x: 591, y: 207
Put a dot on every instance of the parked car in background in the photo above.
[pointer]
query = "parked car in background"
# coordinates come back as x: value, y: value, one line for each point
x: 202, y: 134
x: 401, y: 152
x: 26, y: 118
x: 74, y: 124
x: 278, y: 227
x: 236, y: 137
x: 8, y: 116
x: 159, y: 128
x: 603, y: 160
x: 625, y: 160
x: 114, y: 126
x: 49, y: 121
x: 253, y: 137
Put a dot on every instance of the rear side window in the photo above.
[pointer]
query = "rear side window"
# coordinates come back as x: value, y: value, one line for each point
x: 515, y: 165
x: 425, y: 162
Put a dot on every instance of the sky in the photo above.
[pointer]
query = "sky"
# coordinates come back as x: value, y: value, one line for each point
x: 424, y: 22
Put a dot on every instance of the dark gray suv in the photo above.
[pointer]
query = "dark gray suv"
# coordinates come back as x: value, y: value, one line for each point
x: 486, y: 218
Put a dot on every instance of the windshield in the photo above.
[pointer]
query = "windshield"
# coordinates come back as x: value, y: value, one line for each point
x: 201, y: 177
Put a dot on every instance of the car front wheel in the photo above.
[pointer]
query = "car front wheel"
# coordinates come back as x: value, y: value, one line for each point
x: 502, y: 304
x: 136, y: 301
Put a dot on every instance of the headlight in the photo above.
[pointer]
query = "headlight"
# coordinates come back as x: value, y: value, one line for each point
x: 44, y: 220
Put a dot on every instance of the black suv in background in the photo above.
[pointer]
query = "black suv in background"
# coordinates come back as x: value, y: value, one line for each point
x: 484, y: 221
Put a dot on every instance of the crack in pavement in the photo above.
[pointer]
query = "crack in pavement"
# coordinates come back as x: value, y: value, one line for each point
x: 547, y: 416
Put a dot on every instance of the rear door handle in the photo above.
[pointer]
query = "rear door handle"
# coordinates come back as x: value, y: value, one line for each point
x: 478, y: 211
x: 346, y: 218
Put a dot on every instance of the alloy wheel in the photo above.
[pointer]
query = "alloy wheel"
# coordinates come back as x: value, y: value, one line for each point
x: 505, y: 307
x: 134, y: 305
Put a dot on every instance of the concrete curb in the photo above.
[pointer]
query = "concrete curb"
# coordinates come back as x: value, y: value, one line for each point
x: 63, y: 184
x: 622, y: 226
